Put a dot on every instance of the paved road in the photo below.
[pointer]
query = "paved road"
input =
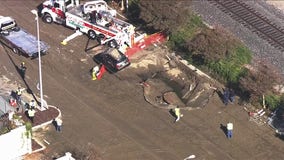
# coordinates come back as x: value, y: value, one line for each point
x: 110, y: 118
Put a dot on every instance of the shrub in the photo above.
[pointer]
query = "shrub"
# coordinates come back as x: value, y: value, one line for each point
x: 178, y: 39
x: 161, y: 15
x: 272, y: 101
x: 231, y: 68
x: 260, y: 79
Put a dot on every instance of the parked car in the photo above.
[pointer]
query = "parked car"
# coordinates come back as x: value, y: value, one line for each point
x: 113, y: 59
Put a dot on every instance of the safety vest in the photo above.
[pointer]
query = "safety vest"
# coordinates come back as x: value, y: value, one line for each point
x: 177, y: 111
x: 31, y: 112
x: 19, y: 92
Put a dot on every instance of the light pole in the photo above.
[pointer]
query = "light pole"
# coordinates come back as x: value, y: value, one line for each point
x: 39, y: 58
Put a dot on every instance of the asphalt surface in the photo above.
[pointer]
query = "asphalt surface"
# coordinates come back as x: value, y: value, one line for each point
x: 109, y: 118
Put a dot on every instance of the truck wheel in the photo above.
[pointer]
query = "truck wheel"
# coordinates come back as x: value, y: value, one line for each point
x: 112, y: 44
x: 5, y: 33
x: 100, y: 37
x: 92, y: 34
x: 15, y: 50
x: 47, y: 18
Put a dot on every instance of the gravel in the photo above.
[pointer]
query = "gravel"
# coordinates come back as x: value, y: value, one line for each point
x: 260, y: 48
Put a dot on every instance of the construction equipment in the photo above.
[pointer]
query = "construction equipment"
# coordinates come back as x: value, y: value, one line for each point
x: 93, y: 18
x: 18, y: 39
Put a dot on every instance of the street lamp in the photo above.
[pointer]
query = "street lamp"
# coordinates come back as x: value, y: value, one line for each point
x: 39, y: 58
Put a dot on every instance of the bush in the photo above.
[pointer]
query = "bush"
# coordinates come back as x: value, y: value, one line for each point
x: 272, y: 101
x: 260, y: 79
x: 231, y: 69
x: 161, y: 15
x: 178, y: 39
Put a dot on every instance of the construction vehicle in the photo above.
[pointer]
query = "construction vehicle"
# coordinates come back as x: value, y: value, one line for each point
x: 93, y: 18
x: 18, y: 39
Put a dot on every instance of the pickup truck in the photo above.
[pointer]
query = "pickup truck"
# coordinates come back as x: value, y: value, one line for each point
x: 19, y: 40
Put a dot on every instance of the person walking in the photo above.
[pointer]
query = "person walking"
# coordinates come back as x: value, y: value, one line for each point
x: 23, y: 69
x: 58, y: 124
x: 31, y: 114
x: 229, y: 130
x: 177, y: 113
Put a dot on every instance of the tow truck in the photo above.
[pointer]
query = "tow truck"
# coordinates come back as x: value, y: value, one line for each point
x: 19, y: 40
x: 93, y: 18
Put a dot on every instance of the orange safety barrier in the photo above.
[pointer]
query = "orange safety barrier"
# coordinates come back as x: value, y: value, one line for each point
x: 101, y: 72
x: 152, y: 39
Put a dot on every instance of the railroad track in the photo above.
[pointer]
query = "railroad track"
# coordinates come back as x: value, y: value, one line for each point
x: 253, y: 20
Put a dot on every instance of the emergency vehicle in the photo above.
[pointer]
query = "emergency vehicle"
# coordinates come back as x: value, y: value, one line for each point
x: 93, y: 18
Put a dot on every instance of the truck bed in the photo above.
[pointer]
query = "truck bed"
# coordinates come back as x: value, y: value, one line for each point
x: 25, y: 42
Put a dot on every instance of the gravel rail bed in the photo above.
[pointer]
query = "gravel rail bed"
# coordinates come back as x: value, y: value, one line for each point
x: 260, y: 48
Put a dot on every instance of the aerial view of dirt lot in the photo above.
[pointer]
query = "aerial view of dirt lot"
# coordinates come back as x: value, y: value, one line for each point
x: 110, y: 118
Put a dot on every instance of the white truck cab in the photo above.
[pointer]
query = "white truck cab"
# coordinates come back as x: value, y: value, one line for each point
x: 7, y: 23
x: 55, y: 10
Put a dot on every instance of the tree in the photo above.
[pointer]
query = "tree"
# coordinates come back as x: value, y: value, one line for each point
x: 212, y: 44
x: 164, y: 15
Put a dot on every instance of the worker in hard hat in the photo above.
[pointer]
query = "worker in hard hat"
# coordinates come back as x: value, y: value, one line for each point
x: 23, y: 69
x: 95, y: 72
x: 19, y: 92
x: 177, y: 113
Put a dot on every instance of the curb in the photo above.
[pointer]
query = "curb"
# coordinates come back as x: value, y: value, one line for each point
x: 48, y: 122
x: 43, y: 147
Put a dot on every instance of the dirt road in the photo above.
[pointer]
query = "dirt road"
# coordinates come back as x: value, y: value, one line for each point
x: 109, y: 118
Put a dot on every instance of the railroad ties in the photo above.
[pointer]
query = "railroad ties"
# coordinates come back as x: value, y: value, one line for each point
x: 253, y: 20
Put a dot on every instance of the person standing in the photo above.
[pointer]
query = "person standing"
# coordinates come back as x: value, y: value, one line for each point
x: 23, y: 69
x: 177, y: 113
x: 32, y: 104
x: 93, y: 17
x: 229, y: 130
x: 19, y: 92
x: 232, y: 95
x: 95, y: 71
x: 31, y: 114
x: 58, y: 124
x: 226, y: 96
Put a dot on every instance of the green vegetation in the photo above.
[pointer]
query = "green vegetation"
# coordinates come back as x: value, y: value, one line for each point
x: 231, y: 69
x: 179, y: 38
x: 274, y: 101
